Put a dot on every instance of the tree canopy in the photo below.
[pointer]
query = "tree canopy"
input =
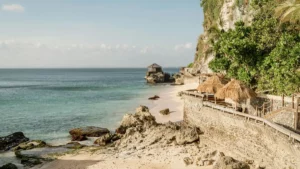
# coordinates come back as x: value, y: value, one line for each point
x: 265, y: 55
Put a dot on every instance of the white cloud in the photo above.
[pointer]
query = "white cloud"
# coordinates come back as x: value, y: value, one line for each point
x: 188, y: 45
x: 103, y: 46
x: 13, y: 8
x: 35, y: 53
x: 144, y: 50
x: 183, y: 46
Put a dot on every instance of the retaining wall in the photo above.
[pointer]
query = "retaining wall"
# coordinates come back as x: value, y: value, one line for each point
x: 241, y: 138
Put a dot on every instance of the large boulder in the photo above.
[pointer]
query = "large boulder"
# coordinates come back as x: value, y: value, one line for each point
x: 142, y: 118
x: 9, y: 166
x: 187, y: 135
x: 12, y: 140
x: 227, y: 162
x: 179, y: 78
x: 28, y: 145
x: 73, y: 145
x: 80, y: 134
x: 158, y: 77
x: 104, y: 140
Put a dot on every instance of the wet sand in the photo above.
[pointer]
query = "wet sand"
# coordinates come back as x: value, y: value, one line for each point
x: 169, y: 99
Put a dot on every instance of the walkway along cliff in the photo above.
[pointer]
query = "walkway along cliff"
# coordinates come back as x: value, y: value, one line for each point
x: 243, y: 135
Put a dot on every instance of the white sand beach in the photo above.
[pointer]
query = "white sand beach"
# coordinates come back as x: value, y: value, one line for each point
x: 149, y: 158
x: 169, y: 99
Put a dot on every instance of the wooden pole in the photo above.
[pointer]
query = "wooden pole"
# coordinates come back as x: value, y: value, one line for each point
x: 282, y: 100
x: 296, y: 114
x: 272, y: 102
x: 256, y: 111
x: 297, y: 105
x: 263, y: 109
x: 293, y: 98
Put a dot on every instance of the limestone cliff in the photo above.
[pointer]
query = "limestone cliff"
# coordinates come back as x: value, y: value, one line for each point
x: 218, y: 15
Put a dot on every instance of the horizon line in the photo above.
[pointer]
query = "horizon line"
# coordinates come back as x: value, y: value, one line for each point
x: 84, y: 67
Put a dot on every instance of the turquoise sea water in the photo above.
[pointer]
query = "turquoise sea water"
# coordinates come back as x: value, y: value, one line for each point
x: 46, y: 103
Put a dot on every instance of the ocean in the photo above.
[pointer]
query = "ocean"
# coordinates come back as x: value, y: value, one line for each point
x: 46, y: 103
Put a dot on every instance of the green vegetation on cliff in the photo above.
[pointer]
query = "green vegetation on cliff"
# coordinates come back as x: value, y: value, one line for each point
x: 265, y: 55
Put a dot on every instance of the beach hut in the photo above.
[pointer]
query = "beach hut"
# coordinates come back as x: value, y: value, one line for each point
x: 236, y: 91
x: 154, y: 68
x: 211, y: 85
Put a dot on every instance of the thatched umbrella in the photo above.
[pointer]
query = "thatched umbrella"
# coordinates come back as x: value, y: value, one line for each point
x: 236, y: 91
x: 211, y: 85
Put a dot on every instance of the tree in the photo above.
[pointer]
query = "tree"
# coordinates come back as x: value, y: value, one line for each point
x: 280, y: 68
x: 288, y: 11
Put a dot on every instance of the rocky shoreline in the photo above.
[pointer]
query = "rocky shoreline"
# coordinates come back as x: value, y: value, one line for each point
x: 139, y: 135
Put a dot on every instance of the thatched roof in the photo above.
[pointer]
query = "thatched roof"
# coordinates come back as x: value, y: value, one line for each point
x: 236, y: 91
x: 154, y: 65
x: 211, y: 85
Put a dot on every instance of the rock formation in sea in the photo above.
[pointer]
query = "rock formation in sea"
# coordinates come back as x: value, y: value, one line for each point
x: 155, y: 74
x: 12, y: 140
x: 80, y: 134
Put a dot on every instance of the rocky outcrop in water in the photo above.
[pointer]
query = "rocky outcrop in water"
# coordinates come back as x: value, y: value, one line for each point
x: 155, y: 74
x: 9, y: 166
x: 80, y: 134
x: 41, y: 152
x: 31, y: 145
x: 12, y: 140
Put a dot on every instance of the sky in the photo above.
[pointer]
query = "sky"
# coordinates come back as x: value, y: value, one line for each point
x: 98, y: 33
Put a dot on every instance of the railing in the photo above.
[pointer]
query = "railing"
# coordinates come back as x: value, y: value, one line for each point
x: 292, y: 135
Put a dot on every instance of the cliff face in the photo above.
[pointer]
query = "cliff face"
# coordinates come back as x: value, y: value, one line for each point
x: 218, y: 15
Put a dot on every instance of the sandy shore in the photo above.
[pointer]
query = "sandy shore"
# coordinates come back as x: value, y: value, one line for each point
x: 151, y: 158
x: 169, y: 99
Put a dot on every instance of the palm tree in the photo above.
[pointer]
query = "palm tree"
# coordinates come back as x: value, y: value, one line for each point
x: 288, y: 11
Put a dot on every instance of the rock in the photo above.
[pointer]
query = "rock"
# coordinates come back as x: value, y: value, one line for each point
x: 80, y: 134
x: 260, y: 166
x: 74, y: 145
x: 141, y: 120
x: 30, y: 162
x: 165, y: 112
x: 12, y: 140
x: 158, y: 77
x: 9, y: 166
x: 208, y: 162
x: 31, y: 145
x: 249, y: 161
x: 187, y: 135
x: 104, y: 140
x: 155, y: 97
x: 179, y: 78
x: 188, y: 161
x: 115, y: 137
x: 200, y: 163
x: 142, y: 108
x: 226, y: 162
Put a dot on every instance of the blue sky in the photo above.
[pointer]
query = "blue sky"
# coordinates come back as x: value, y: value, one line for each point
x: 98, y: 33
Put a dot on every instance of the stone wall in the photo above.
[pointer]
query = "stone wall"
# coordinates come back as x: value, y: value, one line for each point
x: 284, y: 118
x: 242, y: 139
